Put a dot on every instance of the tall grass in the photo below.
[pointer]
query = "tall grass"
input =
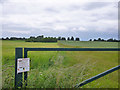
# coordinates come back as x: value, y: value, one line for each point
x: 58, y: 75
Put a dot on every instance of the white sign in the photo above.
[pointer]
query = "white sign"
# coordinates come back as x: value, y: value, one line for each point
x: 23, y: 65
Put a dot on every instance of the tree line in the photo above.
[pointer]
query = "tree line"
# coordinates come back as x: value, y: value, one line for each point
x: 55, y: 39
x: 13, y: 38
x: 41, y: 39
x: 108, y: 40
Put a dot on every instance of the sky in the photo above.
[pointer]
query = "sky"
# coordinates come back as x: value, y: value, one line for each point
x: 65, y: 18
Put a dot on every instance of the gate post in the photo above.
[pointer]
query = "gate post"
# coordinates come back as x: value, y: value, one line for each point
x: 25, y: 73
x: 18, y: 77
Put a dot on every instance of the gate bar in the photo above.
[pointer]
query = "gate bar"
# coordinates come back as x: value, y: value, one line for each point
x: 98, y: 76
x: 72, y: 49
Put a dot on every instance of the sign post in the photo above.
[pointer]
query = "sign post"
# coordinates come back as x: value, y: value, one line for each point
x: 25, y: 73
x: 21, y: 65
x: 18, y: 76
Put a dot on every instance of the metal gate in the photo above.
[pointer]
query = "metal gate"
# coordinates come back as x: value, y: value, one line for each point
x: 19, y: 54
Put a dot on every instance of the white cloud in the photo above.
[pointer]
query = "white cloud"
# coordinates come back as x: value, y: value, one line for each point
x: 82, y: 29
x: 79, y: 29
x: 19, y: 32
x: 62, y: 16
x: 60, y: 28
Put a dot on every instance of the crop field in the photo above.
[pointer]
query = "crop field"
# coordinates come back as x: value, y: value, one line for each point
x: 62, y: 69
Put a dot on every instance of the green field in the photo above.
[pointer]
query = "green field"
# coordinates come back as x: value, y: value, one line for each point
x: 62, y: 69
x: 89, y: 44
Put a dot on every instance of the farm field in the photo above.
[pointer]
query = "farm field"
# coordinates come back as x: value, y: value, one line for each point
x: 62, y: 69
x: 89, y: 44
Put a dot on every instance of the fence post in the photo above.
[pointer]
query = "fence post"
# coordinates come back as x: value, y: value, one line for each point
x: 18, y: 77
x: 25, y: 73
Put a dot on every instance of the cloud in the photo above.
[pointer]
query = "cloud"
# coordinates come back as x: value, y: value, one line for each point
x: 19, y: 32
x: 96, y: 5
x: 58, y: 17
x: 60, y: 28
x: 79, y: 29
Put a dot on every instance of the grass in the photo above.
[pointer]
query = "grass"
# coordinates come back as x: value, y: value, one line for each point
x: 89, y: 44
x: 60, y: 69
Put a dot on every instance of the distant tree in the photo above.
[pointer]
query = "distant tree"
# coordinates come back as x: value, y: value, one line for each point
x: 72, y: 38
x: 102, y: 40
x: 90, y: 40
x: 40, y: 37
x: 99, y: 39
x: 63, y: 38
x: 110, y: 40
x: 59, y: 38
x: 115, y: 40
x: 20, y: 38
x: 32, y: 37
x: 68, y: 38
x: 77, y: 39
x: 24, y: 38
x: 13, y: 38
x: 7, y: 38
x: 94, y: 40
x: 3, y: 38
x: 55, y: 37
